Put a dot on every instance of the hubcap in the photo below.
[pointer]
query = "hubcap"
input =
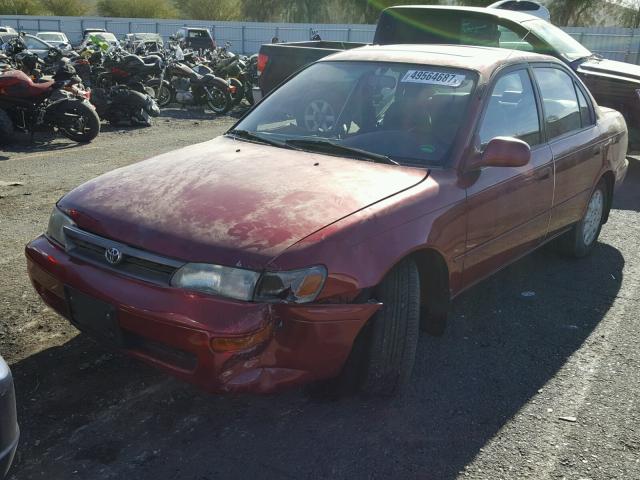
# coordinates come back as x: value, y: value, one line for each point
x: 593, y: 217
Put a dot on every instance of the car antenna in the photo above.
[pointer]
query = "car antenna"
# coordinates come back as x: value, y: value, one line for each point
x: 513, y: 50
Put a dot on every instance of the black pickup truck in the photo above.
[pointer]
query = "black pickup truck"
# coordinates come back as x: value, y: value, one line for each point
x: 613, y: 84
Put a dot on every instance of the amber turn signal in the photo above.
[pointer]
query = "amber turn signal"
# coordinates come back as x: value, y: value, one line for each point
x: 234, y: 344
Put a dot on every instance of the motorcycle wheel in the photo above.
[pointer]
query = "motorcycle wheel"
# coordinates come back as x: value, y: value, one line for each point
x: 218, y: 100
x: 163, y: 95
x: 85, y: 127
x: 6, y: 127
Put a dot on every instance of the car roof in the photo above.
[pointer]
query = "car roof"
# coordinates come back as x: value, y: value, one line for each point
x: 59, y: 33
x: 513, y: 15
x: 481, y: 59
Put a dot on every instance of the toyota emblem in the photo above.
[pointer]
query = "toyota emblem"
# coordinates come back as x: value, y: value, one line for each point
x: 113, y: 255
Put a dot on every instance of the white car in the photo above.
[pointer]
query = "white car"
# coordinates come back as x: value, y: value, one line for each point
x: 524, y: 6
x: 56, y: 39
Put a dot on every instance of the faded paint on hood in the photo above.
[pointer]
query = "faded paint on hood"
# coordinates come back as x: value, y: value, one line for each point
x: 611, y: 68
x: 230, y: 202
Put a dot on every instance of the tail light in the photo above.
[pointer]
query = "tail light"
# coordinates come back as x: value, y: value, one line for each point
x: 262, y: 62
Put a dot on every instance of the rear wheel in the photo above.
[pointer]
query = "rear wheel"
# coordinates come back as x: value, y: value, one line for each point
x: 6, y: 127
x: 580, y: 240
x: 80, y: 123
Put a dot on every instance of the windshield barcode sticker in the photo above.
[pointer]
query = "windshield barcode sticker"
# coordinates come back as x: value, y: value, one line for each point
x: 433, y: 78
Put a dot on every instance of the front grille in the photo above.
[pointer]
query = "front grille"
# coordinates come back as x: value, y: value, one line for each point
x: 135, y: 262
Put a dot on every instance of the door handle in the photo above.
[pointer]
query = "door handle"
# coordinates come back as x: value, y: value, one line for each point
x: 543, y: 173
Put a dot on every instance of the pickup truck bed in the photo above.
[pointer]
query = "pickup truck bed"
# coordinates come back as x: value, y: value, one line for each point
x: 281, y: 60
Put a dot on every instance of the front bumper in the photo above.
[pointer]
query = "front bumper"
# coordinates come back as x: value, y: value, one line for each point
x: 9, y: 432
x: 173, y: 329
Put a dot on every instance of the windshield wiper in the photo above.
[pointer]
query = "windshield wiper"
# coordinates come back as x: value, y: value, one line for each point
x: 329, y: 147
x: 252, y: 137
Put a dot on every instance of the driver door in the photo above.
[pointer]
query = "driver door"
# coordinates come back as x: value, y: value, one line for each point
x: 508, y: 208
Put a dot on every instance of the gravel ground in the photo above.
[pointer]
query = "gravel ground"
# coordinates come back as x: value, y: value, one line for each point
x: 542, y: 386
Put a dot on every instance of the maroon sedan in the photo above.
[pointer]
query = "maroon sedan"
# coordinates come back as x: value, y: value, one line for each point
x: 341, y: 214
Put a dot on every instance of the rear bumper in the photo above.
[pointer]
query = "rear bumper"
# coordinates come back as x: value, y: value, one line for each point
x: 173, y: 329
x: 9, y: 432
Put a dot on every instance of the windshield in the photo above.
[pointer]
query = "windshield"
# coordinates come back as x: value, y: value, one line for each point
x: 560, y: 41
x: 51, y: 37
x: 107, y: 37
x: 410, y: 113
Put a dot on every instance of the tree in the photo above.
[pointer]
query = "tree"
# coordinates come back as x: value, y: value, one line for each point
x: 212, y: 9
x: 20, y: 7
x: 136, y: 8
x: 565, y: 13
x: 70, y: 8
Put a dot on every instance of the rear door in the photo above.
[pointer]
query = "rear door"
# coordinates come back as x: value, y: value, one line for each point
x: 575, y: 141
x: 508, y: 208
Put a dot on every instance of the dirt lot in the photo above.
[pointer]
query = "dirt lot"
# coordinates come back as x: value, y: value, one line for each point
x: 486, y: 401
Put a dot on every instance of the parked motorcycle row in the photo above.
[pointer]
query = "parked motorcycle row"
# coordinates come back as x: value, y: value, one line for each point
x: 70, y: 92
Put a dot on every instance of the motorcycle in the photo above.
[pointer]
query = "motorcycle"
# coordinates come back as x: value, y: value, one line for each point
x: 120, y: 104
x: 186, y: 86
x: 132, y: 70
x: 29, y: 107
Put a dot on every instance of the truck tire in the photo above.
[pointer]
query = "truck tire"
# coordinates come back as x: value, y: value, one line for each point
x: 6, y: 128
x: 580, y: 240
x: 392, y: 333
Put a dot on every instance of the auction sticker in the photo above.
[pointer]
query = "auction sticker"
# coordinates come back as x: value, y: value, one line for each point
x: 433, y: 78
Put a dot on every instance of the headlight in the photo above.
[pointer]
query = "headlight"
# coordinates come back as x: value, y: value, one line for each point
x: 225, y: 281
x: 57, y: 221
x: 297, y: 286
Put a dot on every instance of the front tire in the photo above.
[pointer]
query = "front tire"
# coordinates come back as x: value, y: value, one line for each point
x: 391, y: 337
x: 218, y: 100
x: 580, y: 240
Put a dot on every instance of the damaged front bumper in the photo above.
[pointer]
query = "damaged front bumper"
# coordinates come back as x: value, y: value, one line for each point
x: 220, y: 345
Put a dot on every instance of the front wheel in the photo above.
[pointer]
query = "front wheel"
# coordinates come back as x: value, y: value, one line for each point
x: 79, y: 123
x: 218, y: 100
x: 580, y: 240
x: 163, y: 94
x: 383, y: 355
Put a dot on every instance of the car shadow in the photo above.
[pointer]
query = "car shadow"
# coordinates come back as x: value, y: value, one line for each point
x: 86, y: 410
x: 627, y: 197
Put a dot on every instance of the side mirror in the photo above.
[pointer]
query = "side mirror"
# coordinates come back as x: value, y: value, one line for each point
x: 504, y: 152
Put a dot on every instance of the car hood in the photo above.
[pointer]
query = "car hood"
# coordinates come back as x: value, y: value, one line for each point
x: 230, y: 202
x: 611, y: 67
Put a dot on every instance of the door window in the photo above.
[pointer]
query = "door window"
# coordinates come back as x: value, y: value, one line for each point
x: 585, y: 109
x: 512, y: 110
x: 561, y: 109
